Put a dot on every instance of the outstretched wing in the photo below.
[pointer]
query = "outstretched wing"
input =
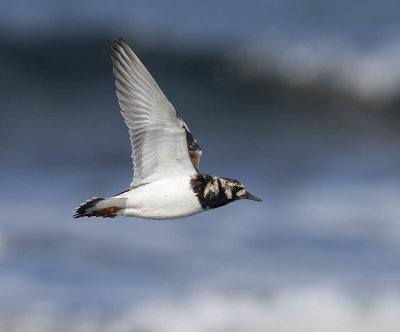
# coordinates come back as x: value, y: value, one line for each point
x: 159, y: 137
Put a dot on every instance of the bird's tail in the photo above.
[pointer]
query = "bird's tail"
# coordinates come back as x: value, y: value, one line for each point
x: 99, y: 207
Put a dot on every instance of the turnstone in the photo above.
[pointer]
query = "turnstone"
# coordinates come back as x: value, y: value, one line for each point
x: 166, y: 158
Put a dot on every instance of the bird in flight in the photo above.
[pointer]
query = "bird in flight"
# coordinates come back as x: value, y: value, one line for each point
x: 167, y: 183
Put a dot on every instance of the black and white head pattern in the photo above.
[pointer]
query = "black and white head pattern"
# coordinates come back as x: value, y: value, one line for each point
x: 214, y: 191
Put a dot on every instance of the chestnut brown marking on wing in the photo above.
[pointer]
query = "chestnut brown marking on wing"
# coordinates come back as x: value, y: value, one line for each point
x: 107, y: 212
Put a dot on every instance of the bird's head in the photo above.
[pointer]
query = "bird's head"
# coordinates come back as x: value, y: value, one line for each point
x: 214, y: 191
x: 236, y: 191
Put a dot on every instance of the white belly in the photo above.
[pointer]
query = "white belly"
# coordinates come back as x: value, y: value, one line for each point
x: 164, y: 199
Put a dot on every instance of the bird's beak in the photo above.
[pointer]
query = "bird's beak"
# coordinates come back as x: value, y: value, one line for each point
x: 247, y: 195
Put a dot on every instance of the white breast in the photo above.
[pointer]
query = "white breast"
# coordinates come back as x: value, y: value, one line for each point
x: 163, y: 199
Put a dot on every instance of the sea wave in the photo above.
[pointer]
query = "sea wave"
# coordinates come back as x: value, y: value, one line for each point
x: 318, y: 308
x: 339, y: 73
x: 366, y: 74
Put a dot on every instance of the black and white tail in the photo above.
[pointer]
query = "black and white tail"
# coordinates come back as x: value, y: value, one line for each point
x: 97, y: 207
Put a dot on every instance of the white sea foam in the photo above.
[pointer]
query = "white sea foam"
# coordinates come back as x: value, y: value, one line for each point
x: 321, y: 309
x: 368, y: 74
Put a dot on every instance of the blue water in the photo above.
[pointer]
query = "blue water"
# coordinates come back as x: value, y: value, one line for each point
x: 323, y: 159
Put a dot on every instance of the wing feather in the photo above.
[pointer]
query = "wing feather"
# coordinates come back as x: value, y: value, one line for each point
x: 162, y: 145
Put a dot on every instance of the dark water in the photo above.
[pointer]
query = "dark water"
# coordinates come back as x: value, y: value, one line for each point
x: 324, y: 159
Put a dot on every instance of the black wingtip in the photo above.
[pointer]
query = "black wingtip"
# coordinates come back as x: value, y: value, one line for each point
x: 82, y: 210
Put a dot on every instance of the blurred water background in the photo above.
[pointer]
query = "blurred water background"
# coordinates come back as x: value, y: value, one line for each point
x: 298, y: 100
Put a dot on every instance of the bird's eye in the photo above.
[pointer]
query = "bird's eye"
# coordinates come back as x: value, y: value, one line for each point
x: 240, y: 191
